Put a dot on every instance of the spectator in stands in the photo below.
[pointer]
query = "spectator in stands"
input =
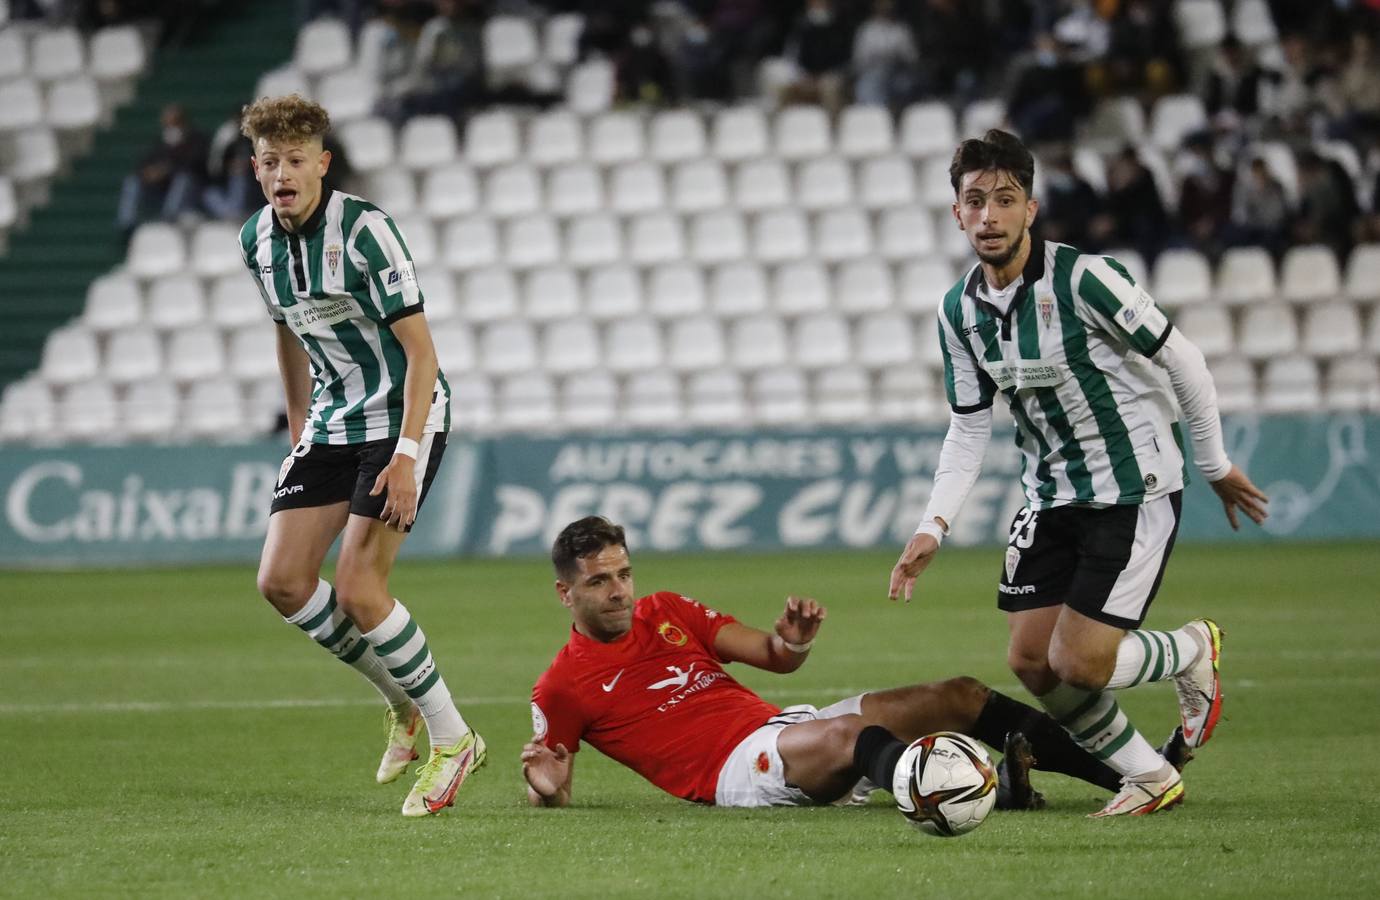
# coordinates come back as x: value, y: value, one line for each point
x: 700, y: 63
x: 643, y: 72
x: 1327, y: 204
x: 1259, y: 209
x: 819, y: 44
x: 1068, y: 203
x: 1234, y: 81
x: 1049, y: 94
x: 884, y: 59
x: 1360, y: 78
x: 1204, y: 195
x: 954, y: 41
x: 447, y: 75
x: 1290, y: 97
x: 170, y: 175
x: 1143, y: 52
x: 231, y: 190
x: 1135, y: 214
x: 386, y: 46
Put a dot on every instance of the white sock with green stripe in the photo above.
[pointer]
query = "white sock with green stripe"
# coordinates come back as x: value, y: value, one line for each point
x: 403, y: 648
x: 1099, y: 726
x: 1146, y: 656
x: 326, y: 623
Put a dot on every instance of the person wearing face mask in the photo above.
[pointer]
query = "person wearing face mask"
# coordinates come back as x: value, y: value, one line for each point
x: 820, y: 44
x: 168, y: 178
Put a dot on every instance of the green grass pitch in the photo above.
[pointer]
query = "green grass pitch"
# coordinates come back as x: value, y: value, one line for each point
x: 164, y: 734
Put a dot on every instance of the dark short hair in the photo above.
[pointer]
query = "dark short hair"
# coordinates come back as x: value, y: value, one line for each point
x: 584, y: 537
x: 997, y: 150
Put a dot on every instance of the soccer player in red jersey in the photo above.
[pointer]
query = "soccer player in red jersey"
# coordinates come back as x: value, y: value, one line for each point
x: 643, y: 681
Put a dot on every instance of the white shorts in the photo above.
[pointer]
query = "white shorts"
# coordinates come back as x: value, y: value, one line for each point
x: 753, y: 774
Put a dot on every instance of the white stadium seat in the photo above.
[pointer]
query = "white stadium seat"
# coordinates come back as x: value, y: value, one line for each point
x: 656, y: 238
x: 863, y: 286
x: 800, y: 287
x: 571, y: 345
x: 1279, y: 159
x: 1268, y: 331
x: 842, y: 234
x: 923, y: 283
x: 697, y: 185
x: 588, y: 399
x: 114, y: 301
x: 637, y: 187
x: 823, y: 183
x: 652, y: 398
x: 469, y: 243
x: 133, y: 355
x: 510, y: 48
x: 1114, y: 123
x: 14, y: 54
x: 156, y: 249
x: 427, y: 142
x: 613, y: 292
x: 761, y: 184
x: 979, y: 117
x: 508, y: 346
x: 1245, y: 275
x: 323, y: 45
x: 512, y: 190
x: 489, y: 294
x: 738, y: 288
x: 1252, y: 23
x: 472, y: 401
x: 284, y: 80
x: 554, y: 138
x: 590, y: 86
x: 616, y: 137
x: 928, y: 129
x: 675, y: 289
x: 801, y: 132
x: 1234, y: 379
x: 842, y: 394
x: 27, y: 412
x: 594, y: 240
x: 438, y: 289
x: 717, y: 236
x: 935, y: 189
x: 884, y: 340
x: 450, y: 191
x: 215, y: 409
x: 677, y: 136
x: 1209, y: 327
x: 551, y: 292
x: 526, y: 401
x: 235, y: 300
x: 492, y: 138
x: 216, y: 250
x: 1331, y: 329
x: 905, y: 233
x: 908, y: 394
x: 779, y: 397
x: 196, y: 352
x: 1310, y: 273
x: 821, y: 340
x: 575, y: 190
x: 740, y: 133
x: 635, y: 345
x: 21, y: 105
x: 253, y: 352
x: 1353, y: 383
x: 176, y: 301
x: 70, y: 355
x: 716, y: 398
x: 150, y: 410
x: 57, y: 53
x: 695, y: 345
x: 73, y: 104
x: 1202, y: 24
x: 348, y: 95
x: 560, y: 44
x: 865, y: 131
x: 87, y: 412
x: 885, y: 182
x: 1290, y: 384
x: 455, y: 350
x: 779, y: 235
x: 757, y: 342
x: 370, y: 143
x: 1363, y: 273
x: 420, y: 236
x: 532, y: 241
x: 1182, y: 277
x: 394, y: 191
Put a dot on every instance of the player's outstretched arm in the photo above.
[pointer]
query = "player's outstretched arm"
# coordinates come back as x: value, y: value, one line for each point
x: 917, y: 556
x: 785, y: 650
x: 548, y: 773
x: 398, y: 478
x: 1237, y: 492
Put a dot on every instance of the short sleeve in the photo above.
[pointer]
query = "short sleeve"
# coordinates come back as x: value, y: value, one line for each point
x: 967, y: 388
x: 1120, y: 307
x: 248, y: 253
x: 702, y: 622
x: 388, y: 268
x: 556, y: 716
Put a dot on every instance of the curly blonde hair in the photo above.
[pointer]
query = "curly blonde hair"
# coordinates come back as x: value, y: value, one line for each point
x: 290, y: 118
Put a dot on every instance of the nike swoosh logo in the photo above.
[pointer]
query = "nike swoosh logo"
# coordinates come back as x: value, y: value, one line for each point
x: 609, y: 687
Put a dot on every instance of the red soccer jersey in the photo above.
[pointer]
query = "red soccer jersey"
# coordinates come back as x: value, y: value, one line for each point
x: 657, y: 699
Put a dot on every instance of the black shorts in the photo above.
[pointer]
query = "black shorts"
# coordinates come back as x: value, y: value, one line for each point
x: 1105, y: 563
x: 322, y: 474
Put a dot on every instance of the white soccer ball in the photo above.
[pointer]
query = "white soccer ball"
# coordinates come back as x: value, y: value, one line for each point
x: 945, y: 784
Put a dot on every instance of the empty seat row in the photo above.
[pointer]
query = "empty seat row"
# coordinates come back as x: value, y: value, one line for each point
x: 1267, y: 330
x: 1294, y: 384
x: 74, y: 354
x: 1183, y: 277
x: 112, y: 54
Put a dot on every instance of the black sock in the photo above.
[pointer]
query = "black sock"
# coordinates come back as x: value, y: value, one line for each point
x: 875, y: 755
x: 1054, y: 748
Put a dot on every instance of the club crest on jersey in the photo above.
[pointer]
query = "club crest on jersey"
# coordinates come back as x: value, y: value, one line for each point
x: 1045, y: 302
x: 763, y: 763
x: 333, y: 252
x: 671, y: 634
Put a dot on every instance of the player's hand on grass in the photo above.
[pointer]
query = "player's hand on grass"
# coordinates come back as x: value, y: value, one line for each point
x: 400, y: 505
x: 800, y: 621
x: 546, y: 770
x: 918, y: 554
x: 1237, y: 492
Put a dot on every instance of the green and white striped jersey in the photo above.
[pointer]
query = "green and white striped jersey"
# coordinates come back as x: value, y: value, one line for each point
x: 339, y: 283
x: 1096, y: 421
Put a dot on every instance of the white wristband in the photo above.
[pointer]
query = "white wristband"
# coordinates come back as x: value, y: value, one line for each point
x: 933, y: 529
x: 798, y: 648
x: 407, y: 447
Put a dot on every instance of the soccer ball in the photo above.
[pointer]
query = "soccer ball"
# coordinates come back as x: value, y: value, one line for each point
x: 945, y: 784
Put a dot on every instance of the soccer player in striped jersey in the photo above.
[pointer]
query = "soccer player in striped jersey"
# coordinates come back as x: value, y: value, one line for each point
x: 1081, y: 355
x: 368, y: 411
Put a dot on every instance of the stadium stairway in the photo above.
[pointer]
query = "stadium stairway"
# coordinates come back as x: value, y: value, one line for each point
x: 73, y: 239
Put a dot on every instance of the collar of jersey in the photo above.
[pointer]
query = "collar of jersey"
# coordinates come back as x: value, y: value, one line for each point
x: 310, y: 226
x: 1034, y: 270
